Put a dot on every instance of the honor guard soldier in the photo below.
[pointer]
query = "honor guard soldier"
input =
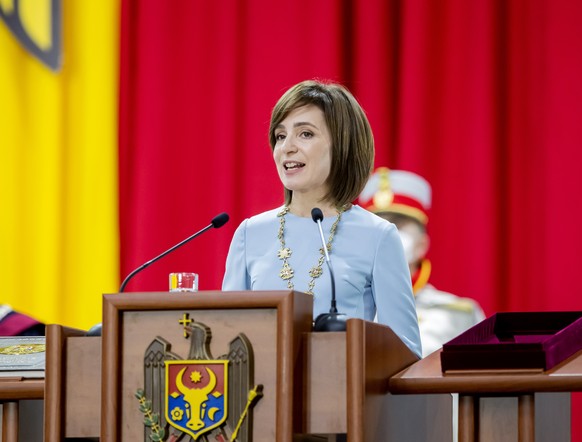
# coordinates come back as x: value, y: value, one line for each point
x: 404, y: 198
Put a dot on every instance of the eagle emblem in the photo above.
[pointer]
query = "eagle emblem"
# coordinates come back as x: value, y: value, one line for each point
x: 37, y: 26
x: 198, y: 397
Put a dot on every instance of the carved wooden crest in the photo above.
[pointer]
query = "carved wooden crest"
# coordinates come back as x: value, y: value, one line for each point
x: 200, y: 398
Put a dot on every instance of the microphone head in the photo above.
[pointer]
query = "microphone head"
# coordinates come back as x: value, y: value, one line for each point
x: 316, y: 214
x: 219, y: 220
x: 330, y: 322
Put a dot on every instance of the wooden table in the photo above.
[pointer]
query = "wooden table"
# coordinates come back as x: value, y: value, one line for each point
x: 498, y: 406
x: 12, y: 390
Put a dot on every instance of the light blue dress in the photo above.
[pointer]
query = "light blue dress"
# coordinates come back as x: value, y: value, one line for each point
x: 371, y: 273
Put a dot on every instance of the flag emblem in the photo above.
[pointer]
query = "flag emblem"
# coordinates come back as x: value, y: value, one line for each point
x: 37, y: 25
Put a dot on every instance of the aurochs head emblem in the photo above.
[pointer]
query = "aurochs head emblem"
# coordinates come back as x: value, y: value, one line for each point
x: 196, y: 395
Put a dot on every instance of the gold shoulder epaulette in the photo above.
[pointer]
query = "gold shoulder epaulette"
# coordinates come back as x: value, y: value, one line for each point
x: 461, y: 305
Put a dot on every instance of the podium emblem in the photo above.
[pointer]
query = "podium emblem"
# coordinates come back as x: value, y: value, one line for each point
x: 196, y: 395
x: 199, y: 397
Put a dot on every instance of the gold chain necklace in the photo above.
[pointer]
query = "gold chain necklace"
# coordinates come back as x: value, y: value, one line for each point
x: 284, y: 253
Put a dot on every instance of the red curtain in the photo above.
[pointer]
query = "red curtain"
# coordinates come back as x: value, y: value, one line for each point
x: 483, y: 98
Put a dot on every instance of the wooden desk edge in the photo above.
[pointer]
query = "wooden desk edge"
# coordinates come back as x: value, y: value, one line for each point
x: 426, y: 377
x: 23, y: 389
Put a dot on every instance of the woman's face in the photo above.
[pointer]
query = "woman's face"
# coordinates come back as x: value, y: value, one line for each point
x: 302, y: 151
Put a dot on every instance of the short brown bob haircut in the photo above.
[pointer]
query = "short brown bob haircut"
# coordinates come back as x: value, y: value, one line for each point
x: 352, y: 142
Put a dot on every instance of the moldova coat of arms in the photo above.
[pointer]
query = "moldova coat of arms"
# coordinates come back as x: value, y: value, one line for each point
x: 200, y: 398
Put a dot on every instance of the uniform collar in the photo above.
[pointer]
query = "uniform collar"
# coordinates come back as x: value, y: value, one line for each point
x: 421, y: 276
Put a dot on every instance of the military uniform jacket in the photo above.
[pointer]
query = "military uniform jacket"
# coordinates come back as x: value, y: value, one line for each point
x: 443, y: 316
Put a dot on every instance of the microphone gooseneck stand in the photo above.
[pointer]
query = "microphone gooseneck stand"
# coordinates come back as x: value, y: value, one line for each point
x: 217, y: 222
x: 332, y: 321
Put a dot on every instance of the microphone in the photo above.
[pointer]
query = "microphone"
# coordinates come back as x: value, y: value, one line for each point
x: 217, y: 222
x: 332, y: 321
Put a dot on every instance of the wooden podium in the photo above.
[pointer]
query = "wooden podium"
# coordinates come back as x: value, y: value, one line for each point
x: 312, y: 383
x: 72, y: 384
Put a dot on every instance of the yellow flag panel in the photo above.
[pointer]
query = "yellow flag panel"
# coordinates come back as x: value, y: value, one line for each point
x: 58, y: 173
